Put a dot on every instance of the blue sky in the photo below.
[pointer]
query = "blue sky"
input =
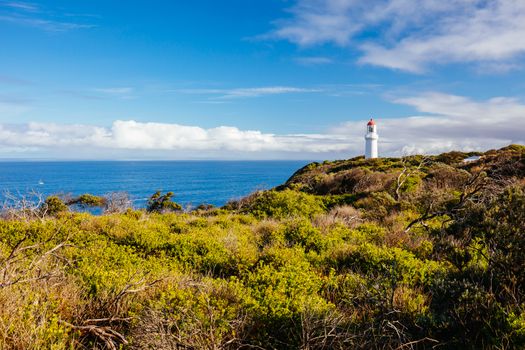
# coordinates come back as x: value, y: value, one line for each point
x: 258, y: 79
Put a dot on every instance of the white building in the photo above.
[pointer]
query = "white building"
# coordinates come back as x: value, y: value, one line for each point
x: 371, y: 138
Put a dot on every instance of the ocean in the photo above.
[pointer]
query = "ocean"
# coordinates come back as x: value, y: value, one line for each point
x: 193, y: 182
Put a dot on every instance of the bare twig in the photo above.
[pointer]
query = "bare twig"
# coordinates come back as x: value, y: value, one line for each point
x: 405, y: 174
x: 14, y: 269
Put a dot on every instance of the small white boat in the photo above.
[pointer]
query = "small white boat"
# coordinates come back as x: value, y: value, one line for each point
x: 40, y: 182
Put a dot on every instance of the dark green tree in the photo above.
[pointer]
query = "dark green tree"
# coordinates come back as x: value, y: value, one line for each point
x: 53, y: 206
x: 161, y: 203
x: 88, y: 200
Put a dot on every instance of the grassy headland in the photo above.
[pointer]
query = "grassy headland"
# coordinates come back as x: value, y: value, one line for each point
x: 393, y: 253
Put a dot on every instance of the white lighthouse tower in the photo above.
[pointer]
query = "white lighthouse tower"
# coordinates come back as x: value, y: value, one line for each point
x: 371, y: 138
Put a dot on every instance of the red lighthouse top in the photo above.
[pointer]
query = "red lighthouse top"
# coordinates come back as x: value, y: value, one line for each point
x: 371, y: 122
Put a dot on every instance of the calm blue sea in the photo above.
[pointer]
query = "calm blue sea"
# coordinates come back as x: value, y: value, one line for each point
x: 193, y: 182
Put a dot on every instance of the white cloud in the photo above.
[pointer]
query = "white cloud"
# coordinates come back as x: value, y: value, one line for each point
x: 411, y: 35
x: 44, y: 24
x: 248, y: 92
x: 120, y: 92
x: 318, y: 21
x: 450, y: 122
x: 24, y: 6
x: 132, y: 135
x: 50, y: 135
x: 115, y: 90
x: 444, y: 122
x: 262, y: 91
x: 29, y: 14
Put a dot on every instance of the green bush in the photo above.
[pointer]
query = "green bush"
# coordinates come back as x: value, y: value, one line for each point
x: 283, y: 204
x: 88, y: 200
x: 300, y: 232
x: 53, y: 206
x: 161, y: 203
x: 284, y: 287
x: 377, y: 205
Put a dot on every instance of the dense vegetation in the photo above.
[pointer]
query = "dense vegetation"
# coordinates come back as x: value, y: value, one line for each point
x: 411, y: 253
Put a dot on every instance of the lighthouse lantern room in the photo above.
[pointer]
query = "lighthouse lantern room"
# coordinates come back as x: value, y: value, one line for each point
x: 371, y: 138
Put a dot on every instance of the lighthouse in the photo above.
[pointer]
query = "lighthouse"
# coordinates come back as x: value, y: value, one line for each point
x: 371, y: 138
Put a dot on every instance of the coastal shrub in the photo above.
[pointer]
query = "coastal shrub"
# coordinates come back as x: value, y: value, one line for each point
x: 452, y: 157
x: 268, y: 233
x: 105, y: 267
x: 514, y: 148
x: 443, y: 177
x: 345, y: 215
x: 394, y: 263
x: 284, y: 287
x: 366, y: 232
x: 374, y: 181
x: 411, y: 184
x: 205, y: 207
x: 188, y: 313
x: 160, y: 203
x: 30, y: 315
x: 201, y: 254
x: 338, y: 183
x: 283, y: 204
x: 377, y: 206
x: 53, y: 206
x: 300, y: 232
x: 88, y: 200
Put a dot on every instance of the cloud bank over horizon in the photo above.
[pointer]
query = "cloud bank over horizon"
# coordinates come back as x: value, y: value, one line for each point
x: 446, y: 122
